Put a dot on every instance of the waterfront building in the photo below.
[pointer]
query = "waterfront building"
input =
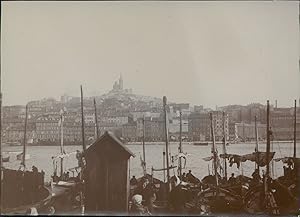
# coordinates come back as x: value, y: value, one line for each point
x: 116, y: 119
x: 174, y: 126
x: 199, y: 126
x: 154, y: 129
x: 198, y: 108
x: 13, y: 129
x: 47, y: 128
x: 282, y: 123
x: 246, y: 131
x: 129, y: 132
x: 246, y: 114
x: 13, y: 111
x: 232, y: 130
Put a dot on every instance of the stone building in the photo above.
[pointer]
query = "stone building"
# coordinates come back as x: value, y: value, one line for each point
x: 282, y: 123
x: 246, y: 131
x: 199, y: 125
x: 129, y: 132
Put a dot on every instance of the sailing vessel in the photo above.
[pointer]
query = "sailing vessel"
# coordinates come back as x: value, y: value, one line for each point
x: 200, y: 143
x: 214, y: 198
x: 269, y: 197
x: 23, y: 190
x: 290, y: 179
x: 5, y: 159
x: 67, y: 191
x: 20, y: 156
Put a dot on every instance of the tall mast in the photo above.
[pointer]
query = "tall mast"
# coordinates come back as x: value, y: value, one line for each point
x: 180, y: 144
x: 213, y: 149
x: 167, y: 140
x: 24, y: 141
x: 295, y: 118
x: 96, y: 120
x: 256, y: 146
x: 268, y: 147
x: 164, y: 164
x: 0, y: 131
x: 82, y: 120
x: 84, y: 149
x: 224, y: 145
x: 144, y: 152
x: 61, y: 143
x: 256, y: 134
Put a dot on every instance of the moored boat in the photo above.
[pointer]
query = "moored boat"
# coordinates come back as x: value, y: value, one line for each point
x: 23, y: 190
x: 20, y: 156
x: 5, y: 159
x: 270, y: 197
x: 200, y: 143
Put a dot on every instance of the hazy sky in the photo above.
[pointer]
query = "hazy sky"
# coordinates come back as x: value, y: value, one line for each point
x: 210, y: 53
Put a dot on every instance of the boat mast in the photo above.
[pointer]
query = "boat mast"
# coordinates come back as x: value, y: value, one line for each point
x: 24, y: 141
x: 164, y: 164
x: 256, y: 146
x: 0, y: 134
x: 82, y: 121
x: 96, y: 120
x: 61, y: 144
x: 167, y: 140
x: 84, y: 149
x: 224, y: 145
x: 295, y: 138
x: 213, y: 150
x: 144, y: 152
x: 267, y: 149
x: 180, y: 144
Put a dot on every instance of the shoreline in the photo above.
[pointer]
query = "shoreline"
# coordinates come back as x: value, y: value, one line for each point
x: 158, y: 143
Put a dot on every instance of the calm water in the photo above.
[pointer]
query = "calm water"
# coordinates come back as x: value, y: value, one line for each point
x: 40, y: 156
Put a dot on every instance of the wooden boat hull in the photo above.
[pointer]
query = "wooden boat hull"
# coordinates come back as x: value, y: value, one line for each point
x: 5, y: 159
x: 200, y: 143
x: 218, y: 200
x: 20, y: 156
x: 24, y: 209
x: 280, y: 198
x: 65, y: 197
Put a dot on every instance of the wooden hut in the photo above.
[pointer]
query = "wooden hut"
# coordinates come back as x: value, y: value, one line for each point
x: 107, y: 175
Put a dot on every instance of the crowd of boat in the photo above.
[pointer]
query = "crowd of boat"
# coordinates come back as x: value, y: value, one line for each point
x: 182, y: 193
x: 217, y: 193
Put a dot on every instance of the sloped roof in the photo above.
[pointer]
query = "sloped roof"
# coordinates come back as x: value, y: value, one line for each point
x: 114, y: 138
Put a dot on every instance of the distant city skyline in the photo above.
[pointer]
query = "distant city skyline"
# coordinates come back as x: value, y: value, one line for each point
x: 202, y: 53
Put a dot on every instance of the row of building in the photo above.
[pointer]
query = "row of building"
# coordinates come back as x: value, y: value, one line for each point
x: 129, y: 115
x: 196, y: 126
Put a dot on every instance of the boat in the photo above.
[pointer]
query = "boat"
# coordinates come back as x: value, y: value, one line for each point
x: 23, y: 191
x: 291, y: 166
x: 68, y: 191
x: 14, y: 143
x: 215, y: 198
x: 5, y: 159
x: 65, y: 189
x: 18, y: 197
x: 270, y: 197
x: 20, y: 156
x: 200, y: 143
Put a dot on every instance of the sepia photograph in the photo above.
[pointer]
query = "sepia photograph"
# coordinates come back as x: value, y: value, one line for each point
x: 150, y: 108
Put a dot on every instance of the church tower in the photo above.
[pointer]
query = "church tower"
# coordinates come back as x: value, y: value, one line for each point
x: 121, y: 82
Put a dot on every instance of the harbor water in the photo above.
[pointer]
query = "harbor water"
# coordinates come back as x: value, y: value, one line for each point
x: 40, y: 156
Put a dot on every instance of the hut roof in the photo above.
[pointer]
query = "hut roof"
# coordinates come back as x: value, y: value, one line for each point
x: 114, y: 138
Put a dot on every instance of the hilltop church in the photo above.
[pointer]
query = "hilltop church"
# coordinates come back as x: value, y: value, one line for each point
x: 118, y: 87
